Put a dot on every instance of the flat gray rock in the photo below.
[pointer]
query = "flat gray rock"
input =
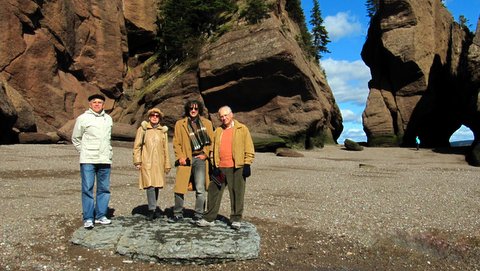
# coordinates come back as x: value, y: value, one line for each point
x: 178, y: 243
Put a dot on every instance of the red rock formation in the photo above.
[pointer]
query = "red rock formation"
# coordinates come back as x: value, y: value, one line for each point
x: 263, y: 74
x: 60, y: 52
x: 417, y: 55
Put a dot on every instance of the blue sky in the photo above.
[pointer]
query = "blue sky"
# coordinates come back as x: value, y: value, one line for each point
x: 347, y: 23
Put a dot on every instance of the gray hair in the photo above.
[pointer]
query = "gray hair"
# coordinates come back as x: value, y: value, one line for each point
x: 226, y: 107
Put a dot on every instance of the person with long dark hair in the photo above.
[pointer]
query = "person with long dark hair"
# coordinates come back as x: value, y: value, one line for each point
x: 192, y: 141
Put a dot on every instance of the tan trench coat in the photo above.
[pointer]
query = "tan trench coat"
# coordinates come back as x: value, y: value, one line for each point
x: 152, y: 155
x: 183, y: 149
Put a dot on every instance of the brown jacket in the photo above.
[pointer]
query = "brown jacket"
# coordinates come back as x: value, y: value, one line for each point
x: 183, y: 149
x: 243, y: 150
x: 152, y: 155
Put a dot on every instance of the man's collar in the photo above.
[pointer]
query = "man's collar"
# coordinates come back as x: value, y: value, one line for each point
x: 95, y: 113
x: 231, y: 125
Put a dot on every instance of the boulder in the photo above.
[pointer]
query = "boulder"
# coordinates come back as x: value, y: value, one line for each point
x: 175, y: 243
x: 123, y: 132
x: 25, y: 114
x: 286, y: 152
x: 351, y: 145
x: 38, y: 138
x: 8, y: 117
x: 65, y: 132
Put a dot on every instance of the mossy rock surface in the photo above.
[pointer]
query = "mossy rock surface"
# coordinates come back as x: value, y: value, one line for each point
x: 352, y: 145
x: 384, y: 141
x: 267, y: 142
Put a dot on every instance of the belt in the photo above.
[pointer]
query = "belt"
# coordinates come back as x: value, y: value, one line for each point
x: 197, y: 153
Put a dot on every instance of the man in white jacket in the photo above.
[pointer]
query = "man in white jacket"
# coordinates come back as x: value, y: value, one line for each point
x: 91, y: 137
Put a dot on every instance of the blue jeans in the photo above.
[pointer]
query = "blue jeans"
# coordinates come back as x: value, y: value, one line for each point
x: 198, y: 174
x: 199, y: 171
x: 102, y: 173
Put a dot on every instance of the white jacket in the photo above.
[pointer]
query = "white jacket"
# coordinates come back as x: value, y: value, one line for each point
x: 91, y: 137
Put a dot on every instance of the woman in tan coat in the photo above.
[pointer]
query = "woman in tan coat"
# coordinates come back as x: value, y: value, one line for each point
x: 151, y: 157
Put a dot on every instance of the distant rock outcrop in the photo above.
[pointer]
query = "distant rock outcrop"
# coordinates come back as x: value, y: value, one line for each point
x: 60, y: 52
x: 425, y: 75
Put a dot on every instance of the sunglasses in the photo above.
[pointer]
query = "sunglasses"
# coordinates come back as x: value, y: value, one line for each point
x: 155, y: 115
x: 193, y: 108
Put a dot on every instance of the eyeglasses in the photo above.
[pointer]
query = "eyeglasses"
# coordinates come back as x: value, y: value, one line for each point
x: 193, y: 108
x: 155, y: 115
x: 224, y: 116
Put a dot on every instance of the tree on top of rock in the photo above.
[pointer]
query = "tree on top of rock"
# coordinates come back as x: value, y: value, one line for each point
x: 319, y: 33
x: 184, y: 24
x: 372, y: 7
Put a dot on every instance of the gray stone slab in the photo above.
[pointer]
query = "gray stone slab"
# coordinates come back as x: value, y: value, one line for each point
x: 181, y: 242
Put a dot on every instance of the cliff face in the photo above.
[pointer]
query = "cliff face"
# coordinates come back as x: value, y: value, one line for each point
x: 423, y: 68
x: 272, y: 87
x: 56, y: 53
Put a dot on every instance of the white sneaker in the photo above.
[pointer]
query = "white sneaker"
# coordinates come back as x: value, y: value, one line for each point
x: 235, y: 225
x: 203, y: 223
x: 103, y: 221
x: 88, y: 224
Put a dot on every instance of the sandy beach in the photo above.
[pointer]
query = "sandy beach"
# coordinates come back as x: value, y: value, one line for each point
x: 333, y: 209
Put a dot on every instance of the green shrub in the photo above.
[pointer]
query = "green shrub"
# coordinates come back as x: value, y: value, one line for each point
x: 255, y: 12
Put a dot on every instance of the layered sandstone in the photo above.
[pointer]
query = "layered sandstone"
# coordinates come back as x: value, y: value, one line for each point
x: 420, y: 82
x: 275, y: 88
x: 59, y: 52
x: 56, y: 53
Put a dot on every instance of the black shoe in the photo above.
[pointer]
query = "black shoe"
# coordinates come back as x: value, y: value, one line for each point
x: 159, y: 214
x: 175, y: 219
x: 150, y: 216
x: 195, y: 219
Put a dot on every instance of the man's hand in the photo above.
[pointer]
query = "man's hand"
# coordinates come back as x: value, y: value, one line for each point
x: 201, y: 156
x: 138, y: 166
x: 246, y: 171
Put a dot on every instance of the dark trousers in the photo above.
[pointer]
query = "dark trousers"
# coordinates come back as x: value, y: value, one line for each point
x: 236, y: 184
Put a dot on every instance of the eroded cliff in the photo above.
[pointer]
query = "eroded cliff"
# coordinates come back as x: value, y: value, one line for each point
x: 56, y: 53
x: 424, y: 70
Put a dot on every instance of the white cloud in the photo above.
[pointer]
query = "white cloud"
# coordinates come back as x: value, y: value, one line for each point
x: 355, y: 134
x: 350, y: 116
x: 347, y: 79
x: 342, y: 25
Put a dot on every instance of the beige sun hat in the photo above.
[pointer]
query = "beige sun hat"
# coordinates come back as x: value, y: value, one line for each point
x: 155, y: 110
